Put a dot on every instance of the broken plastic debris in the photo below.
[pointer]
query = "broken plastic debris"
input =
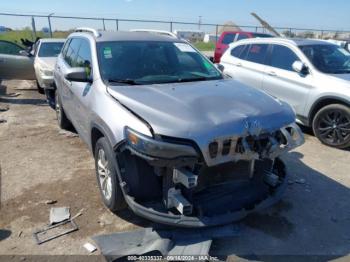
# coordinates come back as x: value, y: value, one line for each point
x: 90, y: 247
x: 59, y: 214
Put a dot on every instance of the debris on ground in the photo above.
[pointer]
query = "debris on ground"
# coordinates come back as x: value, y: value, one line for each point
x: 13, y: 94
x: 68, y: 134
x: 166, y: 241
x: 59, y: 214
x: 19, y: 233
x: 2, y: 121
x: 50, y: 202
x: 59, y: 222
x: 90, y: 247
x: 51, y: 232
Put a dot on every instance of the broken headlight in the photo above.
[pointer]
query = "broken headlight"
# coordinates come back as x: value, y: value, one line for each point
x: 155, y: 148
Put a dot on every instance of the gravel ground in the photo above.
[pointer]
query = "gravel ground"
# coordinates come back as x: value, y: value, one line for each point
x: 40, y: 163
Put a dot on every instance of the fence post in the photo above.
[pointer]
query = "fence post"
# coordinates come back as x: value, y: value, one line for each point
x: 49, y: 20
x: 171, y: 26
x: 256, y: 29
x: 33, y: 28
x: 216, y: 33
x: 117, y: 24
x: 103, y: 22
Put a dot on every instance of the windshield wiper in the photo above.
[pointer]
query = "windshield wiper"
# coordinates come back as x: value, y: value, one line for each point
x: 191, y: 79
x: 124, y: 81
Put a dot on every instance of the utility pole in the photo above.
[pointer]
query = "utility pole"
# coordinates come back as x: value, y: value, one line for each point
x: 199, y: 22
x: 48, y: 18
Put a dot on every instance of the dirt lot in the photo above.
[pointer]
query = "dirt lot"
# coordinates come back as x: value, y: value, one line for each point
x: 40, y: 163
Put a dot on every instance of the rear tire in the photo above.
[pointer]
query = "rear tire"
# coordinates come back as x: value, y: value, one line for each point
x: 107, y: 178
x: 40, y: 89
x: 63, y: 121
x: 331, y: 125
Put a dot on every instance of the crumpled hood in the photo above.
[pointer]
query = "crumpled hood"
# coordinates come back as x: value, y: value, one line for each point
x: 46, y: 62
x: 204, y: 110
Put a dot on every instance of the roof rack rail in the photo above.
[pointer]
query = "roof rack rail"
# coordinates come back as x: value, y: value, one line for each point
x: 88, y: 30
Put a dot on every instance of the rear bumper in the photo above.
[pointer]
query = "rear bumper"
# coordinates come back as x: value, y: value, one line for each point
x: 215, y: 220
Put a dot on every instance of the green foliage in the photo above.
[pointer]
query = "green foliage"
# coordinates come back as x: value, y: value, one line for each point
x: 205, y: 46
x: 16, y: 35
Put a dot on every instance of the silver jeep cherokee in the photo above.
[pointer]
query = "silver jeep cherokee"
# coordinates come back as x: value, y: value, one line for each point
x: 171, y: 138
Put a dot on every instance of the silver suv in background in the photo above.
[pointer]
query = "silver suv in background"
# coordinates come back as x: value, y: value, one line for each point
x: 170, y: 136
x: 313, y: 76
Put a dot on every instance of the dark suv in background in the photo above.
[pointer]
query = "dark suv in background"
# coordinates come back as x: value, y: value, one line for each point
x: 229, y: 37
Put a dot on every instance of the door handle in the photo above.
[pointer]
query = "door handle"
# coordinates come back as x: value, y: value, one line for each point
x: 238, y: 64
x: 272, y: 73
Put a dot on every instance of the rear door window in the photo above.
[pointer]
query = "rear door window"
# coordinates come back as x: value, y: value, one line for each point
x: 283, y: 57
x: 236, y: 52
x: 257, y: 53
x: 228, y: 38
x: 72, y: 52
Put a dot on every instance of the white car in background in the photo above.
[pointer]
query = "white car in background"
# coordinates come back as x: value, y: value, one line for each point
x: 313, y: 76
x: 45, y: 54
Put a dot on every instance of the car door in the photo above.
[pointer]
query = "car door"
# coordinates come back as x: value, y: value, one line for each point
x: 81, y: 92
x: 15, y: 63
x: 249, y: 68
x: 66, y: 93
x: 281, y: 81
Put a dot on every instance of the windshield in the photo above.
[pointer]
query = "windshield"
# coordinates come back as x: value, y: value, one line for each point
x: 133, y: 62
x: 330, y: 59
x: 50, y: 49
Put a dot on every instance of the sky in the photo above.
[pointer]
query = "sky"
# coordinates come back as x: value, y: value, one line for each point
x: 313, y: 14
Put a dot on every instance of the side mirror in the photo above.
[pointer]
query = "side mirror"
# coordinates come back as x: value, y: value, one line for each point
x: 220, y: 67
x: 211, y: 58
x: 77, y: 74
x: 300, y: 68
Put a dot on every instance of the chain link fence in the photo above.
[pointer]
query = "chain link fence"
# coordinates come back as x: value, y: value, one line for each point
x: 33, y: 26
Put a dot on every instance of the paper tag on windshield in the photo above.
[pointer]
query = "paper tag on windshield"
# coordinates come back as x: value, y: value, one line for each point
x: 107, y: 52
x: 184, y: 47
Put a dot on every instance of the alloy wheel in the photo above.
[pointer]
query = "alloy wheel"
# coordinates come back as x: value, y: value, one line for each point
x: 104, y: 174
x: 334, y: 127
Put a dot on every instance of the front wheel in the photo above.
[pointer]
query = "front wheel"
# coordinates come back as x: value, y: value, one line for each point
x: 331, y: 125
x: 63, y: 121
x: 107, y: 179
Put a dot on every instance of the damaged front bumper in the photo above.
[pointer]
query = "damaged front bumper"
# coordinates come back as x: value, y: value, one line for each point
x: 190, y: 191
x: 205, y: 221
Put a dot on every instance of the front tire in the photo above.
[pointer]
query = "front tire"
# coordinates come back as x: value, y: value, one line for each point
x: 331, y: 125
x: 107, y: 179
x: 40, y: 89
x: 63, y: 121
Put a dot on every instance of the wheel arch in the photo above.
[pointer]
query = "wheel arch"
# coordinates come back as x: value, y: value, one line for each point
x: 97, y: 131
x: 325, y: 101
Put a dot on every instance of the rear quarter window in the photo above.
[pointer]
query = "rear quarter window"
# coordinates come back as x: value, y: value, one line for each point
x: 236, y: 52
